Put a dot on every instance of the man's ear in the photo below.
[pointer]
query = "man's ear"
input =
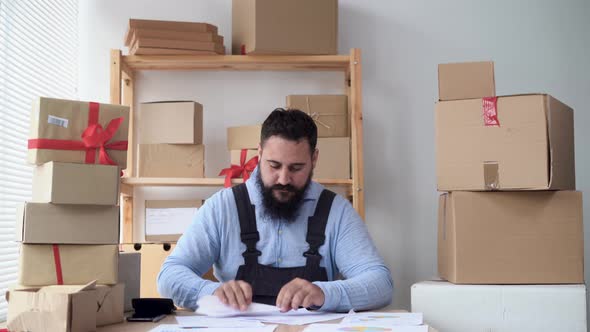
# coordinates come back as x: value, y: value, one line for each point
x: 314, y: 157
x: 259, y: 152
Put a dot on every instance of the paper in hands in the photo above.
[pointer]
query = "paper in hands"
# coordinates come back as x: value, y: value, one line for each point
x: 210, y: 305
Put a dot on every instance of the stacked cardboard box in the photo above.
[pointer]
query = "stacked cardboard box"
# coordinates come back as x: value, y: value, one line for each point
x: 511, y: 215
x: 242, y: 143
x: 172, y: 38
x: 332, y: 118
x: 70, y: 229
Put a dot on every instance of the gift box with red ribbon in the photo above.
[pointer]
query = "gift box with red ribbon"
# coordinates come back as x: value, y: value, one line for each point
x: 78, y: 132
x: 242, y: 168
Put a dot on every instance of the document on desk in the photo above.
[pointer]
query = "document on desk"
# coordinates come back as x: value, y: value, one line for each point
x: 384, y: 319
x: 227, y: 322
x: 298, y: 317
x: 178, y: 328
x: 365, y: 328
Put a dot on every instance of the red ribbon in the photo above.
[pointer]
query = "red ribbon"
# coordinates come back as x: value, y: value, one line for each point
x: 94, y: 137
x: 490, y: 111
x: 244, y: 169
x: 57, y: 260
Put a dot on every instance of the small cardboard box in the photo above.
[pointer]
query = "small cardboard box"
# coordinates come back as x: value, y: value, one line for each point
x: 330, y: 112
x: 170, y: 122
x: 532, y: 237
x: 80, y: 264
x: 334, y: 158
x: 208, y: 46
x: 469, y: 308
x: 275, y: 26
x: 110, y: 304
x: 166, y: 221
x: 466, y: 80
x: 177, y: 35
x: 68, y: 183
x: 235, y: 155
x: 171, y: 160
x: 172, y: 26
x: 52, y: 308
x: 243, y: 137
x: 66, y: 120
x: 130, y: 276
x: 44, y: 223
x: 531, y: 149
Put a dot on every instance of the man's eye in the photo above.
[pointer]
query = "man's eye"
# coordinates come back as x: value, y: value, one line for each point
x: 275, y: 165
x: 295, y: 168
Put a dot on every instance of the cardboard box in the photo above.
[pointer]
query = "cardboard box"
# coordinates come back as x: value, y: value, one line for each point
x: 275, y: 27
x: 511, y: 237
x: 175, y: 26
x: 334, y: 158
x: 136, y: 50
x: 171, y: 160
x: 54, y: 308
x: 68, y: 183
x: 531, y: 149
x: 166, y: 221
x: 80, y: 264
x: 57, y: 119
x: 243, y: 137
x: 110, y: 303
x: 45, y: 223
x: 235, y: 155
x: 179, y: 44
x: 130, y: 276
x: 173, y: 122
x: 466, y: 80
x: 330, y: 112
x: 468, y: 308
x: 176, y: 35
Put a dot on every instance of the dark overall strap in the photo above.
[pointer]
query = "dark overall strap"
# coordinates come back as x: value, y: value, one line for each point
x: 316, y: 229
x: 248, y: 231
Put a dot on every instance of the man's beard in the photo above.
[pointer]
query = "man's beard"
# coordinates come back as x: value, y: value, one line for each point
x: 276, y: 209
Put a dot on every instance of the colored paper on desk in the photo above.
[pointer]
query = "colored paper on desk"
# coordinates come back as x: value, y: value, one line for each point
x: 178, y: 328
x: 383, y: 319
x: 226, y: 322
x: 363, y: 328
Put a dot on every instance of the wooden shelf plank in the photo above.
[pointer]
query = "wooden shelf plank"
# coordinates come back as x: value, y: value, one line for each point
x: 208, y: 182
x: 237, y: 62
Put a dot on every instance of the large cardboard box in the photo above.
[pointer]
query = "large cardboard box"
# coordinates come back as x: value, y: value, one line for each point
x: 466, y: 80
x: 531, y: 149
x: 171, y: 122
x: 69, y: 183
x: 469, y: 308
x: 130, y: 276
x: 66, y: 121
x: 44, y: 223
x: 243, y: 137
x: 53, y: 308
x: 172, y: 26
x: 79, y: 264
x: 511, y: 237
x: 166, y: 221
x: 334, y: 158
x: 330, y: 112
x: 171, y: 160
x: 110, y: 303
x: 275, y: 26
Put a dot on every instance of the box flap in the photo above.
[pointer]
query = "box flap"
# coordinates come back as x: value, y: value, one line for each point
x: 466, y: 80
x: 561, y: 145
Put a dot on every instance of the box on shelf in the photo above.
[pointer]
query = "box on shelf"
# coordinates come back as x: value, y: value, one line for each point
x: 52, y: 308
x: 44, y: 223
x: 172, y: 26
x: 208, y: 46
x: 334, y: 158
x: 69, y: 183
x: 170, y: 122
x: 532, y: 148
x: 79, y: 264
x: 130, y: 276
x: 274, y: 27
x: 466, y: 80
x: 243, y: 137
x: 171, y: 160
x: 57, y: 125
x: 532, y: 237
x: 235, y: 155
x: 142, y: 33
x: 468, y: 308
x: 166, y: 221
x: 330, y: 112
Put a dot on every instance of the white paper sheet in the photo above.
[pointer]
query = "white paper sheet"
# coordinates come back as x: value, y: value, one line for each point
x: 204, y: 321
x: 165, y: 221
x: 178, y: 328
x: 384, y: 319
x: 211, y: 306
x: 298, y: 317
x: 363, y: 328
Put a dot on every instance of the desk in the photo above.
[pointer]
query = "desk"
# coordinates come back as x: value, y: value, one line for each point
x: 144, y: 326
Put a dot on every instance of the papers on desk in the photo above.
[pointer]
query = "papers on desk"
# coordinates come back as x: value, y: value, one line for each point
x: 298, y: 317
x: 178, y: 328
x: 210, y: 305
x: 383, y: 319
x: 227, y: 322
x: 363, y: 328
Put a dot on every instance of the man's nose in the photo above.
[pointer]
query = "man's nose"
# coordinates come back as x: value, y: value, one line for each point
x: 284, y: 177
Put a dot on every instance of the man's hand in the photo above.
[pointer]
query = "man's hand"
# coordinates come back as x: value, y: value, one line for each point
x: 299, y: 292
x: 235, y: 293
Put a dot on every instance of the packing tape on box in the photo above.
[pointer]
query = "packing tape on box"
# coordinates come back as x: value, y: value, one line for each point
x: 316, y: 115
x: 57, y: 259
x: 491, y: 175
x: 490, y: 111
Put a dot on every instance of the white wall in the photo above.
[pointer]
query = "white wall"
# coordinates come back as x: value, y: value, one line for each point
x: 538, y: 46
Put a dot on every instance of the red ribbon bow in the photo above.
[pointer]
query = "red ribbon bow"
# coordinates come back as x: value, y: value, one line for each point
x: 244, y: 169
x: 94, y: 137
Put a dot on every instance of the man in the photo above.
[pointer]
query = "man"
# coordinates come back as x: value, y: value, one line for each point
x: 280, y: 238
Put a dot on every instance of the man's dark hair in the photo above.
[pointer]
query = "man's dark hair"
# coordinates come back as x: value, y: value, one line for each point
x: 293, y: 125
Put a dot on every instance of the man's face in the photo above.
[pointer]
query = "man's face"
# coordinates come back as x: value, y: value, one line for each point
x: 285, y: 170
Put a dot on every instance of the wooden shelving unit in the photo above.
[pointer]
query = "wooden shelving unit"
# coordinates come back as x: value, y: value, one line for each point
x: 124, y: 67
